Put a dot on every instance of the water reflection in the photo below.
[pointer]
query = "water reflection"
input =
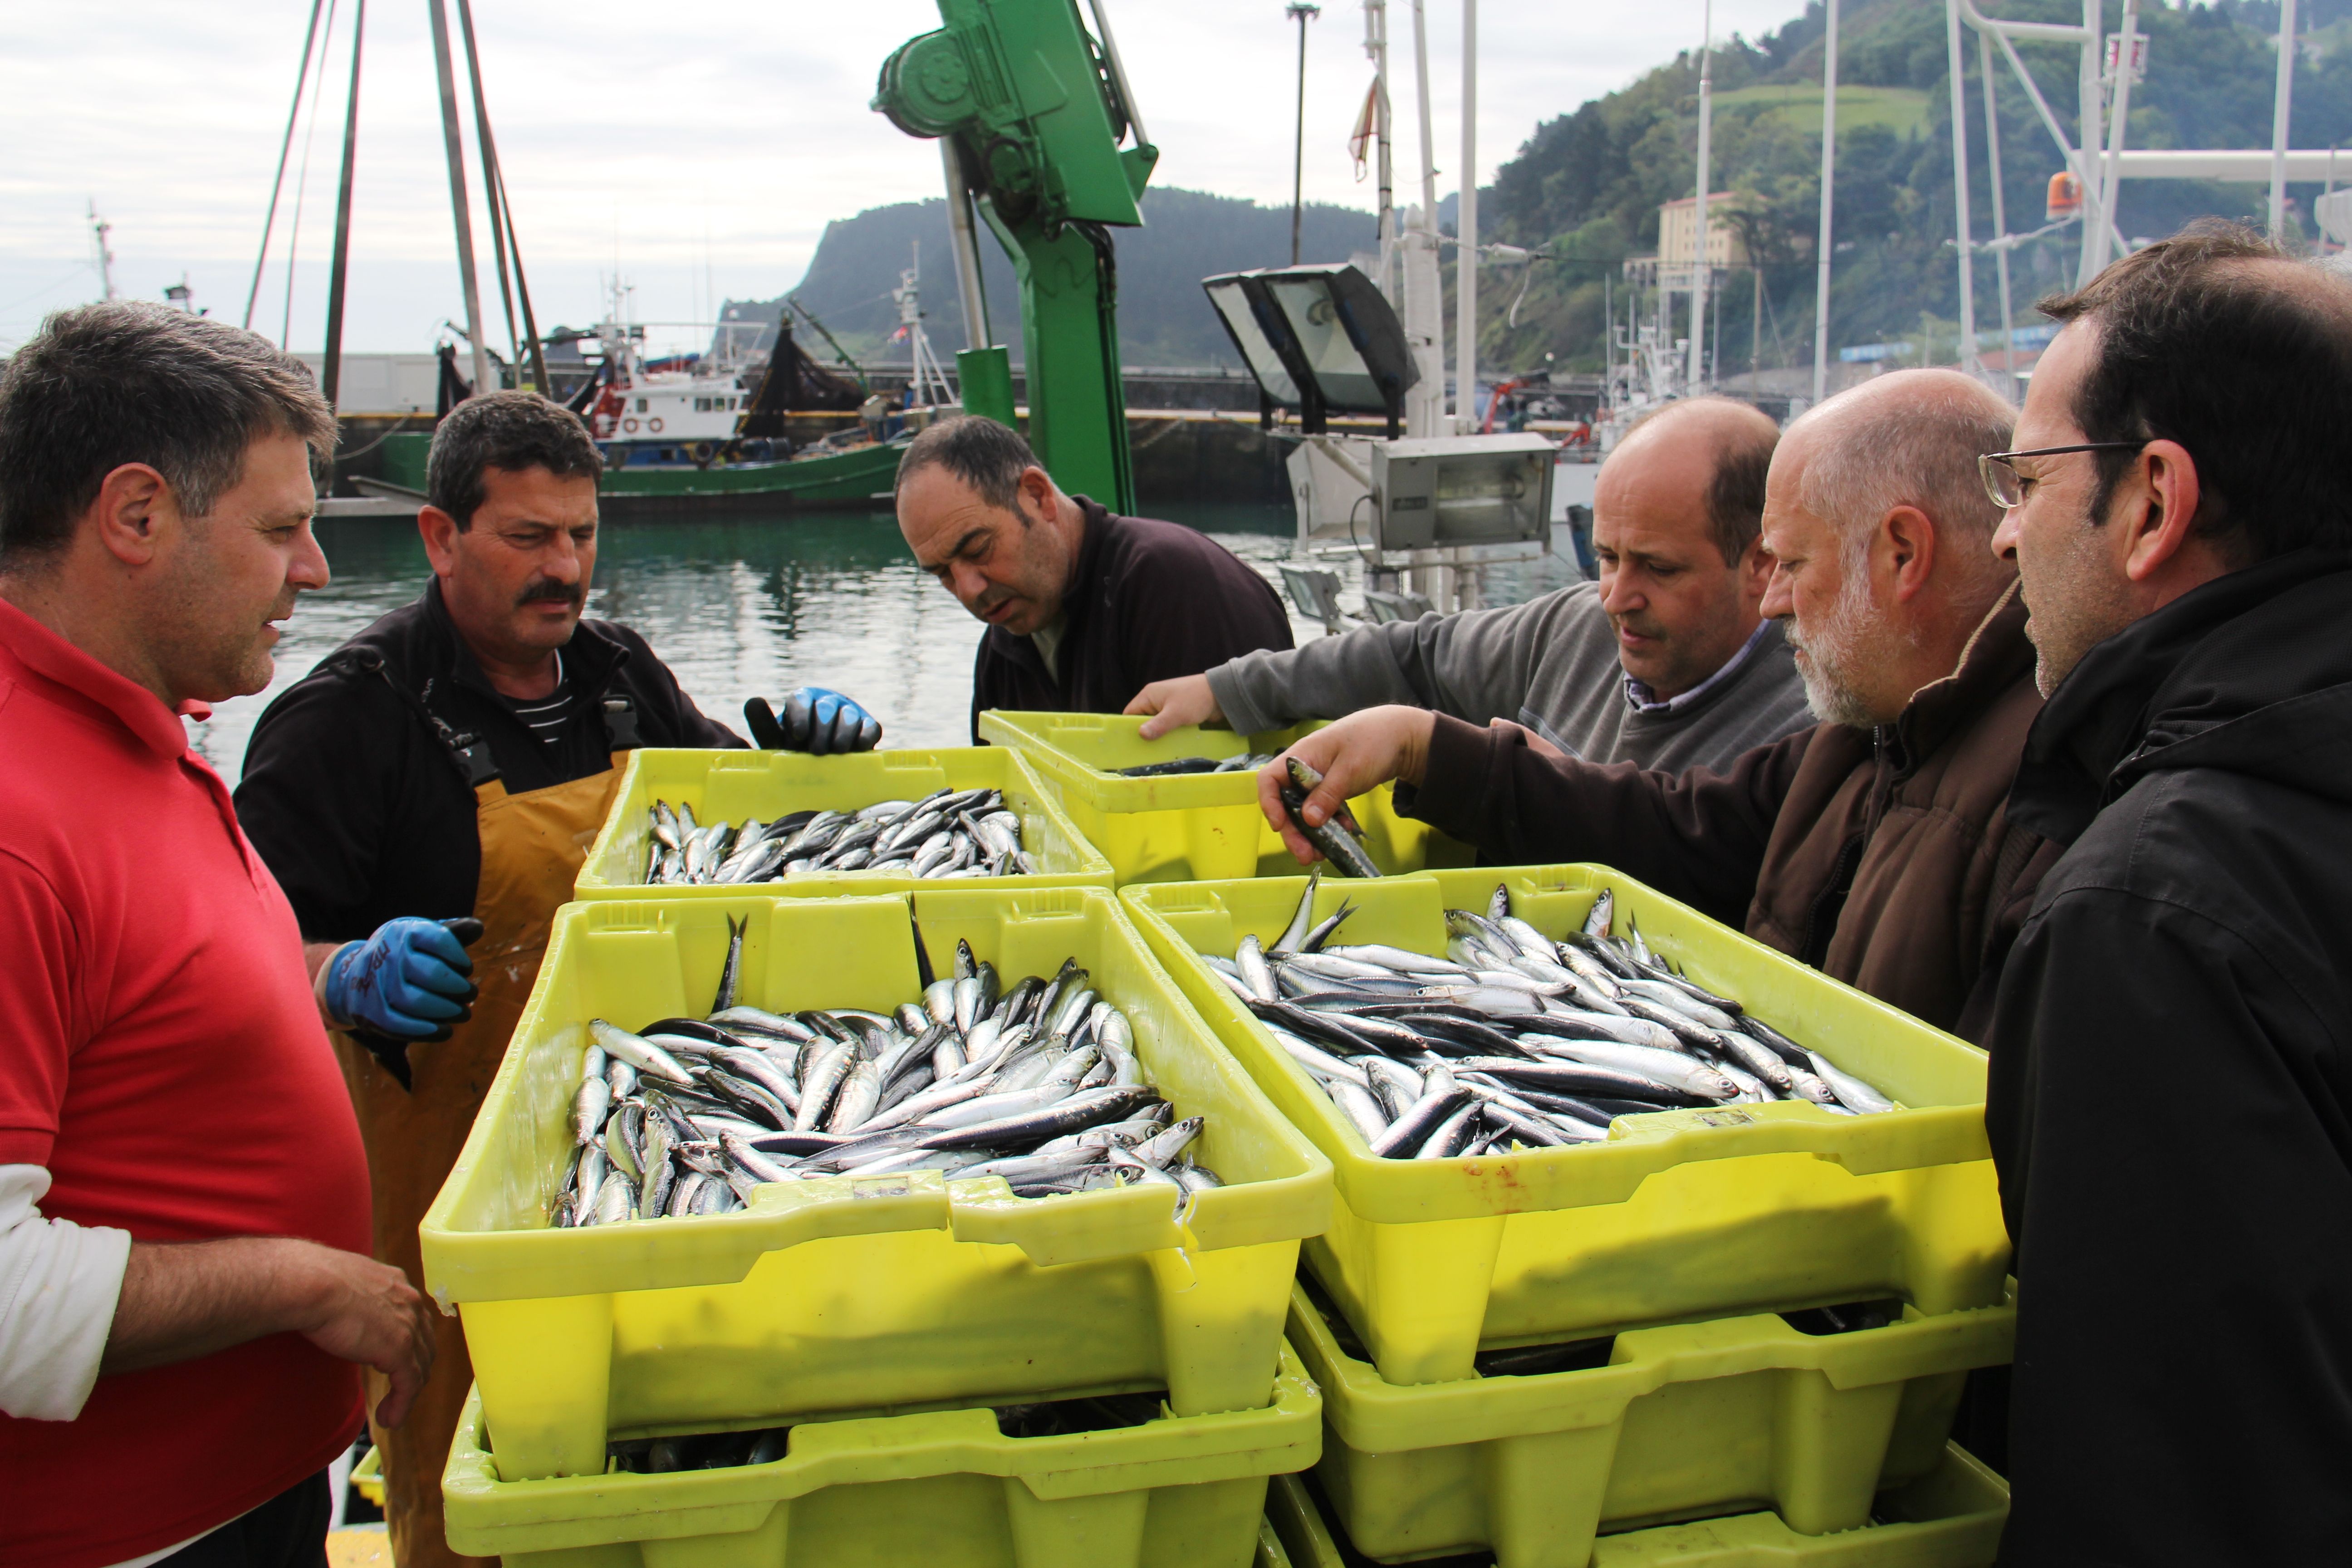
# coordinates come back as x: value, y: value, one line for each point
x: 755, y: 606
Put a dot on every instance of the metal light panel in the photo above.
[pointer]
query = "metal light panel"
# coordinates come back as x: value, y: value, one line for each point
x: 1258, y: 352
x: 1340, y: 346
x: 1462, y: 490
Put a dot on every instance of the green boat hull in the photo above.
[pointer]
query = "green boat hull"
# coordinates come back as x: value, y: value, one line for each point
x: 860, y: 478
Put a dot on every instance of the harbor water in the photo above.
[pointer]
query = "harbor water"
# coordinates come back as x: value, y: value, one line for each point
x: 753, y: 607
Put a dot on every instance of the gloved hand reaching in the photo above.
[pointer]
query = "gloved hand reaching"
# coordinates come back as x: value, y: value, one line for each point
x: 410, y: 980
x: 815, y: 721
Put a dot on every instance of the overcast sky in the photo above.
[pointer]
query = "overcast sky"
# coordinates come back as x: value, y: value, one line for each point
x: 697, y: 150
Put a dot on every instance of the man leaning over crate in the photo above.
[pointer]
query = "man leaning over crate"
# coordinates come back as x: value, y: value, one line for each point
x: 183, y: 1197
x: 446, y: 768
x: 1666, y: 661
x: 1874, y: 846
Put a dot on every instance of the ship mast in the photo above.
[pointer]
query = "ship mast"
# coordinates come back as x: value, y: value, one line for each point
x: 99, y: 228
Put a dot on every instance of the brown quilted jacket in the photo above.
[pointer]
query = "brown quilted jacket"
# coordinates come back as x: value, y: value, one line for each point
x: 1884, y: 857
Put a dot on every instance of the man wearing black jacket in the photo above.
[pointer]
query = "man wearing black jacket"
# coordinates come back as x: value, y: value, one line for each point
x: 2170, y: 1102
x: 1085, y: 608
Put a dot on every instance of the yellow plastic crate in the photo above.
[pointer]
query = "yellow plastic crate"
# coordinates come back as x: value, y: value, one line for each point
x: 1191, y: 827
x: 1950, y: 1518
x: 367, y: 1477
x: 944, y: 1489
x: 1684, y: 1421
x: 856, y: 1293
x: 730, y: 785
x: 1680, y: 1214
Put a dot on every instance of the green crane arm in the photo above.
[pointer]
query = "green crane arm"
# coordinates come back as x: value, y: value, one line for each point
x: 1034, y: 110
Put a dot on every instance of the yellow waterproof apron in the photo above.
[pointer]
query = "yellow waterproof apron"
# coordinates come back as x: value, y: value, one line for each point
x: 532, y: 846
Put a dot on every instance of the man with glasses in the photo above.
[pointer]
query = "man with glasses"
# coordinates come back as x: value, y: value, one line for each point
x: 1872, y: 845
x: 2170, y: 1102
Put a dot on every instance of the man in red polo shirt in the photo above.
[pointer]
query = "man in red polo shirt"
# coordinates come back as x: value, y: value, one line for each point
x: 185, y: 1282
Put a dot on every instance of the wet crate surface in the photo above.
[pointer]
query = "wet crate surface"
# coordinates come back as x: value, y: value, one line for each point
x: 1650, y: 1424
x: 853, y: 1293
x: 730, y: 786
x: 1950, y: 1518
x: 1680, y: 1214
x: 1189, y: 826
x: 943, y: 1488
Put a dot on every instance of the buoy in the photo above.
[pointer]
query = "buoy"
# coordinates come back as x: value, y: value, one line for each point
x: 2065, y: 197
x: 629, y: 425
x: 653, y: 425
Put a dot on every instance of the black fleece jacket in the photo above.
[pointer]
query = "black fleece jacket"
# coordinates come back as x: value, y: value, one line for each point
x: 2170, y: 1101
x: 362, y: 808
x: 1147, y: 601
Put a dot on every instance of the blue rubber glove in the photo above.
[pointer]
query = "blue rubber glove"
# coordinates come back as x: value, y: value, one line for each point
x: 814, y: 721
x: 409, y: 980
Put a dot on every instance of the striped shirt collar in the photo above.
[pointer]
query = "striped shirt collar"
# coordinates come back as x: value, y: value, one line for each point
x: 1642, y: 701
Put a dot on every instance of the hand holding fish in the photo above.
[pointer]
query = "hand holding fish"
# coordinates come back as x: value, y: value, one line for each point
x: 1355, y: 754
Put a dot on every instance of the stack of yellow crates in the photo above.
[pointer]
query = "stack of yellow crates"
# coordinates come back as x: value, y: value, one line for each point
x: 1724, y: 1338
x: 1680, y: 1271
x: 882, y: 1320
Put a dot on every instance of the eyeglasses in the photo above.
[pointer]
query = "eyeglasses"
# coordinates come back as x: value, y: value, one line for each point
x: 2007, y: 486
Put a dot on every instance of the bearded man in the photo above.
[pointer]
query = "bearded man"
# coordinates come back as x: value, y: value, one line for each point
x: 1874, y: 846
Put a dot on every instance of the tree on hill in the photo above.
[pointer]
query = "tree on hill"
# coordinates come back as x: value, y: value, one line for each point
x: 1585, y: 188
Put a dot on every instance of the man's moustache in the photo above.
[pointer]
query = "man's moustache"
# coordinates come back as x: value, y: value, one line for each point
x: 559, y: 592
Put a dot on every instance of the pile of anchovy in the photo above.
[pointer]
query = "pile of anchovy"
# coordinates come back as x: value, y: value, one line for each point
x: 1038, y: 1084
x: 1240, y: 763
x: 947, y: 833
x: 1514, y: 1038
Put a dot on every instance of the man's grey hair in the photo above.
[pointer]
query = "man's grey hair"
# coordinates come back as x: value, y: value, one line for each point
x: 1919, y: 448
x: 988, y: 458
x: 127, y: 381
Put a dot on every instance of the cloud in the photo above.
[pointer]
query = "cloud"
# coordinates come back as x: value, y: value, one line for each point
x: 699, y: 151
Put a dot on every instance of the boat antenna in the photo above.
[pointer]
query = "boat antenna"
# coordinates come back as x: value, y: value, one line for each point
x: 1701, y: 269
x: 1829, y: 170
x: 285, y: 149
x: 1304, y: 13
x: 99, y: 228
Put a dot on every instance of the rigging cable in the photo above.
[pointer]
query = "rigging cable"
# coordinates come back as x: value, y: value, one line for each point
x: 502, y: 236
x: 293, y: 113
x: 302, y: 181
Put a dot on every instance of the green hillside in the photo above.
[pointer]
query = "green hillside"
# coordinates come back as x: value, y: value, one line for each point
x: 1586, y: 186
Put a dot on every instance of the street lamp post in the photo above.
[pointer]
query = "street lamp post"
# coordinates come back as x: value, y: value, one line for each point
x: 1305, y: 14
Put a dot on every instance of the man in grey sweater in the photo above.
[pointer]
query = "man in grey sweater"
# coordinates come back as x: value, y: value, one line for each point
x: 1665, y: 662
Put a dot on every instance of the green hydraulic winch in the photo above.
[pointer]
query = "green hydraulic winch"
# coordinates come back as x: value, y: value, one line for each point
x: 1032, y: 108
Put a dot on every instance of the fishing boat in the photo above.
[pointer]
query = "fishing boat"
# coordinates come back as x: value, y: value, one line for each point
x: 709, y: 430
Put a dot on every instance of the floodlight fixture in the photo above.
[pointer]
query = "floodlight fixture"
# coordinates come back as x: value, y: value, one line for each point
x: 1450, y: 492
x: 1320, y: 339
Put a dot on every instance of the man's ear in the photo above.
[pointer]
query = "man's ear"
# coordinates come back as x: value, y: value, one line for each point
x: 439, y: 531
x: 134, y: 510
x: 1907, y: 545
x: 2157, y: 505
x: 1037, y: 486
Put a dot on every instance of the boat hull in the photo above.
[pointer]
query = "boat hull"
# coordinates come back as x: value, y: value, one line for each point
x: 855, y: 479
